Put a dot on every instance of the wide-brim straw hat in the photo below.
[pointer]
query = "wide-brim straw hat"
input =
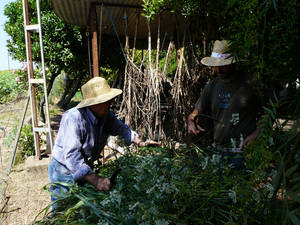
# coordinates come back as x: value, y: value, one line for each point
x: 220, y: 55
x: 96, y: 91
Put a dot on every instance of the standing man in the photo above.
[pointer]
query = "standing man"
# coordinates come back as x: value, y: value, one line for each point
x: 82, y: 136
x: 230, y: 101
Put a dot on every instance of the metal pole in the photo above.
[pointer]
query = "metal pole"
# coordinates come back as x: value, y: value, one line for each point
x: 44, y: 74
x: 13, y: 153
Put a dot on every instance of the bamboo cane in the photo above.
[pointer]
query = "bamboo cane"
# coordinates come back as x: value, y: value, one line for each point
x: 137, y: 19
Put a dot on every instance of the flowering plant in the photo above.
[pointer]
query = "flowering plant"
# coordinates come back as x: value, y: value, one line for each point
x: 12, y: 84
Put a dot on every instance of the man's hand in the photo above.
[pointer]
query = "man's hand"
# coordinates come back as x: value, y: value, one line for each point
x: 148, y: 143
x: 251, y: 137
x: 140, y: 143
x: 192, y: 129
x: 102, y: 184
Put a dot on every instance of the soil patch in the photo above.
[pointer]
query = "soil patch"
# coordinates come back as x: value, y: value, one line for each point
x: 22, y: 196
x: 26, y: 196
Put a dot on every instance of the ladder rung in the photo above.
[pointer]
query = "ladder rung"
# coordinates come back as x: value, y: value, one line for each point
x: 36, y: 81
x: 41, y: 129
x: 34, y: 27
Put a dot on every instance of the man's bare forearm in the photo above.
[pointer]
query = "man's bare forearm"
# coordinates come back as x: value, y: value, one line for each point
x: 102, y: 184
x: 193, y: 115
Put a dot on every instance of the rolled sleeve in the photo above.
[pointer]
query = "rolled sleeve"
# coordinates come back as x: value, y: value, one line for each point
x: 133, y: 135
x: 82, y: 171
x: 117, y: 127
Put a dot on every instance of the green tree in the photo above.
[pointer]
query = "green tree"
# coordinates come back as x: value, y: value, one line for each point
x: 64, y: 44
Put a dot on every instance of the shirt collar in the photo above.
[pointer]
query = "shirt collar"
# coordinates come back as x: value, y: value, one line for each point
x: 91, y: 116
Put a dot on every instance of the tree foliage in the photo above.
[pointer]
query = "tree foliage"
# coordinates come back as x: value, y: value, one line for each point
x: 265, y: 31
x: 64, y: 44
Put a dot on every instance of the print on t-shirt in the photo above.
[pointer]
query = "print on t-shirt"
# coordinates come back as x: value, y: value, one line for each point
x: 224, y: 100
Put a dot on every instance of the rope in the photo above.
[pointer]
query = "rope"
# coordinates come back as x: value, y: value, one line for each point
x: 115, y: 30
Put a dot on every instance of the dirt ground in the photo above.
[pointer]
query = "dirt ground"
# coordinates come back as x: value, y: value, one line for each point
x: 26, y: 197
x: 22, y: 196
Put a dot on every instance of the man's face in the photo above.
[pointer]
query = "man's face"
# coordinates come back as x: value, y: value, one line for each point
x: 223, y: 72
x: 101, y: 109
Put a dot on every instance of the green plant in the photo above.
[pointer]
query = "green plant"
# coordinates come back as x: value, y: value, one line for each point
x: 11, y: 85
x: 8, y: 141
x: 274, y: 160
x: 195, y: 186
x: 166, y: 186
x: 26, y: 141
x: 64, y: 43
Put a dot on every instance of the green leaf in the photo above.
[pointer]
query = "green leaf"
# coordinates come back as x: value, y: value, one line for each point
x: 294, y: 196
x: 291, y: 170
x: 294, y: 218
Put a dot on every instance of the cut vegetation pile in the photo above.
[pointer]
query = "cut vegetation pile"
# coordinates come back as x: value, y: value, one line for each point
x: 167, y: 186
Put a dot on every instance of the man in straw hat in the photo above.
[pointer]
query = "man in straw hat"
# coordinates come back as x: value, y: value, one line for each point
x: 231, y: 103
x: 83, y: 134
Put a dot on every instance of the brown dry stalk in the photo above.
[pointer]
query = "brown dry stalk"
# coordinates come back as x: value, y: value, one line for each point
x: 149, y: 96
x: 4, y: 204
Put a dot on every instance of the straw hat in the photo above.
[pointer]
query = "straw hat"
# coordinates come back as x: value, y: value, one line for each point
x: 96, y: 91
x: 220, y: 55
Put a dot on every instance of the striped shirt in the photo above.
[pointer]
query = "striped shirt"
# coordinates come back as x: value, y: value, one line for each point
x: 82, y: 136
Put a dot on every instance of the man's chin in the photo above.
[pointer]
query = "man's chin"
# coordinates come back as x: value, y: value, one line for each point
x: 103, y: 114
x: 223, y: 76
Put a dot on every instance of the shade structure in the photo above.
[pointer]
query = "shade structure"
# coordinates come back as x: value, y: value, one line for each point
x: 112, y: 14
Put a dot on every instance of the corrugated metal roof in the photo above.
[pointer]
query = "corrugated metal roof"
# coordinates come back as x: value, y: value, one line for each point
x: 77, y: 12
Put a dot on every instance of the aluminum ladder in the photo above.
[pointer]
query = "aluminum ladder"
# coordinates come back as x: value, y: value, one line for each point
x: 34, y: 82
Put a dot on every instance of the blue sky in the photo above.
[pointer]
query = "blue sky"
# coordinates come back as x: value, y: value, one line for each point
x: 5, y: 61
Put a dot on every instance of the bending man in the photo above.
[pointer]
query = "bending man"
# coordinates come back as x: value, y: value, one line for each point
x: 82, y: 136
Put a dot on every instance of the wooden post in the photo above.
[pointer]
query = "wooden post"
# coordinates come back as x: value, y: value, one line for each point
x: 93, y: 25
x: 33, y: 91
x: 100, y: 32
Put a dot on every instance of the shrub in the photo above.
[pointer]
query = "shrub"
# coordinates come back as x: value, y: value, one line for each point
x: 11, y: 85
x: 26, y: 141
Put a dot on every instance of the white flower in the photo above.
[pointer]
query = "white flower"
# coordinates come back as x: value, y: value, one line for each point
x: 161, y: 222
x: 269, y: 187
x: 131, y: 207
x: 232, y: 195
x: 255, y: 196
x: 204, y: 163
x: 215, y: 160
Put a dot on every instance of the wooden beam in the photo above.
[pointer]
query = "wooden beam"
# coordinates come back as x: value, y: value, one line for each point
x: 95, y: 57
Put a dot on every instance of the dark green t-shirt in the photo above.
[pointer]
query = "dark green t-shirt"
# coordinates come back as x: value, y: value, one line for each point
x: 234, y: 106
